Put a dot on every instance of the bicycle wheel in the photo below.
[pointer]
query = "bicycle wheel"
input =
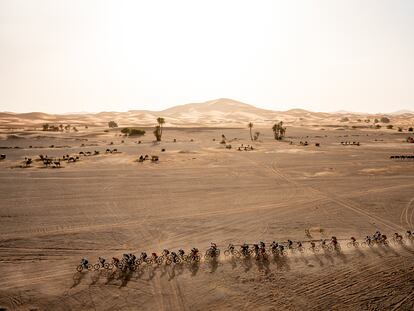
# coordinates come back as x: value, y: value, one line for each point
x: 197, y: 258
x: 236, y: 254
x: 79, y: 268
x: 356, y: 244
x: 159, y: 260
x: 349, y: 244
x: 90, y: 267
x: 96, y: 266
x: 133, y: 268
x: 226, y: 253
x: 177, y: 260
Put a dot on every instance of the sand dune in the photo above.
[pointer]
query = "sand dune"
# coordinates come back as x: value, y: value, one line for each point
x: 220, y: 112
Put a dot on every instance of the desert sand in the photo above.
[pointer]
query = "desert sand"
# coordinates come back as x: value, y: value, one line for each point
x: 200, y: 192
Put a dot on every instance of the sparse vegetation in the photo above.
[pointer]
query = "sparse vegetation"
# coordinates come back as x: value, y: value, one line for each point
x: 410, y: 129
x: 344, y: 119
x: 223, y: 139
x: 112, y: 124
x: 376, y: 121
x: 385, y: 120
x: 158, y: 129
x: 256, y: 135
x: 400, y: 129
x: 157, y: 133
x: 132, y: 131
x: 390, y: 126
x: 250, y: 126
x: 279, y: 131
x: 48, y: 127
x: 377, y: 126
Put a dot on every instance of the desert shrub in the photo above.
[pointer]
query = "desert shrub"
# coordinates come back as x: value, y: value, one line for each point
x: 136, y: 132
x: 377, y: 126
x: 376, y: 121
x: 410, y: 129
x: 385, y: 120
x: 132, y: 131
x: 400, y: 129
x: 390, y: 126
x: 112, y: 124
x: 106, y: 131
x: 344, y: 119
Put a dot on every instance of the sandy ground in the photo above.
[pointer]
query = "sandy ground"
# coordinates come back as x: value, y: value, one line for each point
x: 200, y: 192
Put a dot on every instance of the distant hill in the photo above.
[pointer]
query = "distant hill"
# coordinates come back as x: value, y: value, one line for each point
x: 218, y: 112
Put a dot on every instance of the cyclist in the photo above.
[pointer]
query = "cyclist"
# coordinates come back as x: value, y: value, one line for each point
x: 244, y: 249
x: 174, y: 257
x: 125, y: 258
x: 290, y: 244
x: 84, y: 262
x: 377, y: 236
x: 144, y: 256
x: 132, y: 259
x: 194, y: 252
x: 262, y: 249
x: 274, y: 246
x: 101, y: 261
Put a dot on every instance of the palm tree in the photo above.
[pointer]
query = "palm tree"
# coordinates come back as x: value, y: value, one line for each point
x: 279, y: 131
x: 160, y: 121
x: 250, y: 126
x: 157, y: 132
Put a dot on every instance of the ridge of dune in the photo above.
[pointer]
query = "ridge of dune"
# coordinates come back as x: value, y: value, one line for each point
x: 218, y: 111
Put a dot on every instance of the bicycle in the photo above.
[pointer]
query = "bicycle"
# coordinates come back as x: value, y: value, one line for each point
x: 231, y: 251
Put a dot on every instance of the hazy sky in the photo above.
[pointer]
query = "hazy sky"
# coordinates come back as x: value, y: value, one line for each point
x: 60, y: 56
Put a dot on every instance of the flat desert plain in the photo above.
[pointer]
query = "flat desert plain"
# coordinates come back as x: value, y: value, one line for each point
x: 200, y: 192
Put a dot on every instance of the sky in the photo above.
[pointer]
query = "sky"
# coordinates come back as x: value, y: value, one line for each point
x: 61, y: 56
